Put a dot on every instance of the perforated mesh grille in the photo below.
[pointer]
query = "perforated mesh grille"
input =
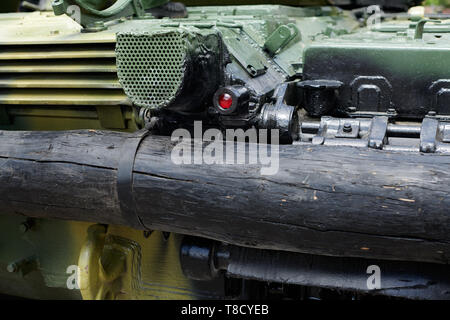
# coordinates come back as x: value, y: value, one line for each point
x: 151, y: 67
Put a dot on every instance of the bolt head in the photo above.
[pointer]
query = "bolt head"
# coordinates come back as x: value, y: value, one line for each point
x: 12, y: 267
x: 347, y: 128
x: 23, y: 227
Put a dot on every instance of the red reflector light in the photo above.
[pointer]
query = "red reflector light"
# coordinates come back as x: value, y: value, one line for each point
x: 225, y: 101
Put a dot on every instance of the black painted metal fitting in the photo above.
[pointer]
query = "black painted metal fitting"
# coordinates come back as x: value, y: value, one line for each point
x: 319, y: 95
x: 239, y: 95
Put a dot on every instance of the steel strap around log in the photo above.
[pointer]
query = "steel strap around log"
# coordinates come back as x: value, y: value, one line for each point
x: 324, y: 200
x: 125, y: 178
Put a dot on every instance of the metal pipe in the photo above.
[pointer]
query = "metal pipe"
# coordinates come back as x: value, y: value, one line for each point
x: 393, y: 130
x: 203, y: 259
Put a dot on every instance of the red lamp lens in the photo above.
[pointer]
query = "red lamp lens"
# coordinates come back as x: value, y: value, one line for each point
x: 225, y: 101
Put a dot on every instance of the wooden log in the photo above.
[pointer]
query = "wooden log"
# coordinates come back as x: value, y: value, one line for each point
x: 336, y: 201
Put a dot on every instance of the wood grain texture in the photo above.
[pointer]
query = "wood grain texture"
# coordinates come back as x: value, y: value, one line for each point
x: 337, y: 201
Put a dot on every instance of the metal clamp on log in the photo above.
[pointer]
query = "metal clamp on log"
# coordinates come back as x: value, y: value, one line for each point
x: 125, y: 178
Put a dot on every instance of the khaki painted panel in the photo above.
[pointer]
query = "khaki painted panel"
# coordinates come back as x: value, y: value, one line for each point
x: 88, y: 112
x: 45, y: 28
x: 63, y: 97
x: 55, y: 53
x: 63, y: 66
x: 63, y: 117
x: 59, y: 81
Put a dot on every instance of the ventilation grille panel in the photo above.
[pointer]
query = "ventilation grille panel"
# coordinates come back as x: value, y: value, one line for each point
x: 151, y: 67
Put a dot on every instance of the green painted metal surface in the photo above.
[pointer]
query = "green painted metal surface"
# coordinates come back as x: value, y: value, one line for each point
x: 256, y: 2
x: 55, y: 77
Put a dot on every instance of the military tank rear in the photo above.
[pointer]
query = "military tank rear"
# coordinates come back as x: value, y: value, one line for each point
x: 339, y: 113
